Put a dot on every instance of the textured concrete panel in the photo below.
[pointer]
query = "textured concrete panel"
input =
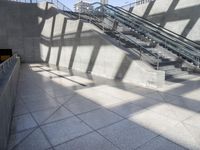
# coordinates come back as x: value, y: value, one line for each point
x: 179, y: 16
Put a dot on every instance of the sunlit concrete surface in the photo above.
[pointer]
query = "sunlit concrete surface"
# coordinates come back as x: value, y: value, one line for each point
x: 179, y: 16
x: 75, y: 111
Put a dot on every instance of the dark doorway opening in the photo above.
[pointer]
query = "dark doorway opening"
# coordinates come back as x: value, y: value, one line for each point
x: 5, y: 54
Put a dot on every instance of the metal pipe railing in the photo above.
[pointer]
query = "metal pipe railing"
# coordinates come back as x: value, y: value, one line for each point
x: 141, y: 49
x: 7, y: 63
x: 191, y: 53
x: 138, y: 2
x: 189, y: 49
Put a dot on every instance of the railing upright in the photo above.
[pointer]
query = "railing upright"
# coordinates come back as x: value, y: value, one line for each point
x: 7, y: 63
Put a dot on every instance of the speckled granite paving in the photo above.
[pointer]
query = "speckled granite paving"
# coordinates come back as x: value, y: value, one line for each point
x: 59, y: 110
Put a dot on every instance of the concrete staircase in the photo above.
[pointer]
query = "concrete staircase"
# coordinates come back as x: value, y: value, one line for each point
x: 169, y: 62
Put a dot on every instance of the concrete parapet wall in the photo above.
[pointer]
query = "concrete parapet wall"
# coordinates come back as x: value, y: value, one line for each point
x: 179, y: 16
x: 7, y: 99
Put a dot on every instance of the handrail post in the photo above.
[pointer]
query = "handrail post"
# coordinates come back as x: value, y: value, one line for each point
x: 157, y: 67
x: 3, y: 68
x: 140, y: 53
x: 119, y: 40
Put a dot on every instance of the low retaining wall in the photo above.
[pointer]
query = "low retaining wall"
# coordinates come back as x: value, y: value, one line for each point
x: 8, y: 88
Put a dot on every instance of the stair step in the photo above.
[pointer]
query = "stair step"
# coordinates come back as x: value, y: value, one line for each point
x: 175, y: 74
x: 167, y: 63
x: 173, y: 71
x: 168, y: 67
x: 167, y: 76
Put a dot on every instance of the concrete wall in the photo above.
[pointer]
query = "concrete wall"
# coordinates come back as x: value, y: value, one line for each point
x: 78, y: 46
x: 8, y: 88
x: 20, y: 28
x: 179, y: 16
x: 38, y: 33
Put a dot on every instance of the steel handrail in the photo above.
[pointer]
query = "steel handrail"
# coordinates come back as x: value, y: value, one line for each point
x: 157, y: 28
x: 151, y: 24
x: 140, y: 47
x: 7, y: 63
x: 139, y: 2
x: 160, y: 28
x: 172, y: 41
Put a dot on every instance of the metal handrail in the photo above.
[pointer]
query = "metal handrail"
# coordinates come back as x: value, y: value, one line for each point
x: 140, y: 48
x: 180, y: 47
x: 145, y: 22
x: 160, y: 28
x: 138, y: 2
x: 7, y: 63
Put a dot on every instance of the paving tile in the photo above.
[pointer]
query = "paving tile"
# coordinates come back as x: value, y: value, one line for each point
x: 18, y: 137
x: 80, y: 80
x: 120, y: 85
x: 36, y: 69
x: 50, y: 149
x: 193, y: 120
x: 193, y: 93
x: 79, y: 104
x: 51, y: 87
x: 20, y: 109
x: 142, y: 91
x: 41, y: 116
x: 195, y: 132
x: 190, y: 104
x: 60, y: 113
x: 184, y: 135
x: 45, y: 67
x: 22, y: 122
x: 118, y: 93
x: 34, y: 141
x: 100, y: 98
x: 31, y: 92
x: 172, y: 111
x: 60, y: 92
x: 100, y: 118
x: 146, y: 102
x: 189, y: 90
x: 34, y: 65
x: 126, y: 110
x: 41, y: 105
x: 64, y: 99
x: 127, y: 135
x: 64, y: 130
x: 163, y: 97
x: 172, y: 114
x: 60, y: 73
x: 153, y: 121
x: 160, y: 143
x: 88, y: 142
x: 65, y: 82
x: 41, y: 97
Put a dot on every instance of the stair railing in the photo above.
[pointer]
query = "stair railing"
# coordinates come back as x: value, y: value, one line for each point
x: 119, y: 35
x: 7, y: 63
x: 187, y: 51
x: 138, y: 2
